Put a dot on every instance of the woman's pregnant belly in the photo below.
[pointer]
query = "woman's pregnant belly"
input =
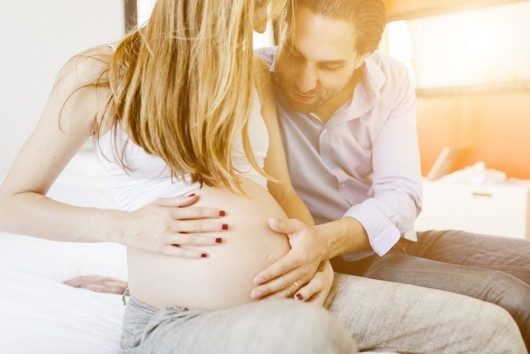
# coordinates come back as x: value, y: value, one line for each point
x: 225, y: 278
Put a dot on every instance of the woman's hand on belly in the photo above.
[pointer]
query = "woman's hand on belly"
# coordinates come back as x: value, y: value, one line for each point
x: 172, y: 227
x: 318, y: 288
x: 225, y: 277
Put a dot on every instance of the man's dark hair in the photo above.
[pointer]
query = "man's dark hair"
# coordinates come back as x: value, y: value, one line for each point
x: 367, y: 16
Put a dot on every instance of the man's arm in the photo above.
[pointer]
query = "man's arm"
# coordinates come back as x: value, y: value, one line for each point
x: 396, y: 179
x: 346, y: 235
x: 377, y: 223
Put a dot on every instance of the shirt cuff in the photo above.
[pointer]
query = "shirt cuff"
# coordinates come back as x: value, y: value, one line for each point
x: 382, y: 233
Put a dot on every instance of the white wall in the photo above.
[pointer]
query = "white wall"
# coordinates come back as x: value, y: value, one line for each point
x: 37, y: 38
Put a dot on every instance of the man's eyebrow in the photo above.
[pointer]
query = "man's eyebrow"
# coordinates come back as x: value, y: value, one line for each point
x: 292, y: 48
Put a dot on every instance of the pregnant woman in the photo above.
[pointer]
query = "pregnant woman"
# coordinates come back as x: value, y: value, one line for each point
x: 177, y: 117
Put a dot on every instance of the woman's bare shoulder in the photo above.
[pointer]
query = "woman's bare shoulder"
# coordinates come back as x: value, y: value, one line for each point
x: 86, y: 68
x: 84, y: 78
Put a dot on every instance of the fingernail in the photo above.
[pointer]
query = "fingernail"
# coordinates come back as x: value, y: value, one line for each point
x: 222, y: 213
x: 225, y: 227
x: 299, y: 296
x: 259, y: 280
x: 191, y: 195
x: 256, y: 294
x: 204, y: 255
x: 218, y: 240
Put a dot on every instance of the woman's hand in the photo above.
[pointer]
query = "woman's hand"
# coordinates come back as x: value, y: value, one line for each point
x: 170, y: 226
x: 298, y: 266
x: 317, y: 290
x: 98, y: 284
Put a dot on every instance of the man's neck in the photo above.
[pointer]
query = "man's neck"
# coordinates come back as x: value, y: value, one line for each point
x: 326, y: 111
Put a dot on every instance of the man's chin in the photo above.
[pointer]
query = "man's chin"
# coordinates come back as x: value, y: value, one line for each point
x: 301, y: 107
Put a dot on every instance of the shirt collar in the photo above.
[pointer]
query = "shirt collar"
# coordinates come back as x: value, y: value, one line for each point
x: 366, y: 92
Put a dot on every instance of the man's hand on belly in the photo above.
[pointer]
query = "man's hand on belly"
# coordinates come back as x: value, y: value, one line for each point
x: 289, y: 274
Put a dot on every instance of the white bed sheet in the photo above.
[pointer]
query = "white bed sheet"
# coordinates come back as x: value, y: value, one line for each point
x: 39, y: 314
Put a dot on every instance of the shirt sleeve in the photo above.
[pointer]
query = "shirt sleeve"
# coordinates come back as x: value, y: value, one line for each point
x: 397, y: 184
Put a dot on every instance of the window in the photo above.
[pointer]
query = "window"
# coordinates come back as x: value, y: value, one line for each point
x: 481, y: 49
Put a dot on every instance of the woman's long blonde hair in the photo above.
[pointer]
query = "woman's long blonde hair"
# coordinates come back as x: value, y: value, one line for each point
x: 182, y: 85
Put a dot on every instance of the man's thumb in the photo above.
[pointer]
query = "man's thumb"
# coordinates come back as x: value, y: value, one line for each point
x: 284, y: 226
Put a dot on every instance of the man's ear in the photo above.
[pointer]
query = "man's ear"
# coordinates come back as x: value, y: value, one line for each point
x: 360, y: 60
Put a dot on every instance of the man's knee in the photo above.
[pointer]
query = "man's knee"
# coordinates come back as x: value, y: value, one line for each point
x: 322, y: 331
x: 498, y: 331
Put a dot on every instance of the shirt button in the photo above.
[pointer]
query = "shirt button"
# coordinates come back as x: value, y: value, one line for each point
x: 324, y: 131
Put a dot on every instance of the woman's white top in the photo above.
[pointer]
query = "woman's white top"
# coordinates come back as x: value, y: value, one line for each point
x: 149, y: 177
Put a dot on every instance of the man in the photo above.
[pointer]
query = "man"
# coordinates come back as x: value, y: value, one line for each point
x: 347, y: 114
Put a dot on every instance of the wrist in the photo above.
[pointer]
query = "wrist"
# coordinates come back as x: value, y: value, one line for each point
x: 346, y: 235
x: 114, y: 226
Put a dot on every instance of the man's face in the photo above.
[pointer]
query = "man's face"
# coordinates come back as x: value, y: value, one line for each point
x: 316, y: 60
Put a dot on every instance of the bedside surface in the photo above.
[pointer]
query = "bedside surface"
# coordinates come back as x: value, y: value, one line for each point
x: 497, y: 209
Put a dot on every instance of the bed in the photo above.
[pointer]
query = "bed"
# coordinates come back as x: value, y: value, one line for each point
x: 39, y: 314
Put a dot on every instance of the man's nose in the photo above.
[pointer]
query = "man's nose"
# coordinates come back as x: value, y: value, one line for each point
x: 307, y: 79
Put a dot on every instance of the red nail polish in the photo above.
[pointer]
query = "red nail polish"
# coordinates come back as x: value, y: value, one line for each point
x: 204, y: 255
x: 299, y: 296
x: 222, y: 213
x: 191, y: 195
x: 225, y: 227
x: 218, y: 240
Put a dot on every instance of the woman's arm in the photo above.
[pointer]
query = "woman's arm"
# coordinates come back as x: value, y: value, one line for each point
x: 67, y: 121
x: 316, y: 286
x: 275, y: 163
x: 44, y: 155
